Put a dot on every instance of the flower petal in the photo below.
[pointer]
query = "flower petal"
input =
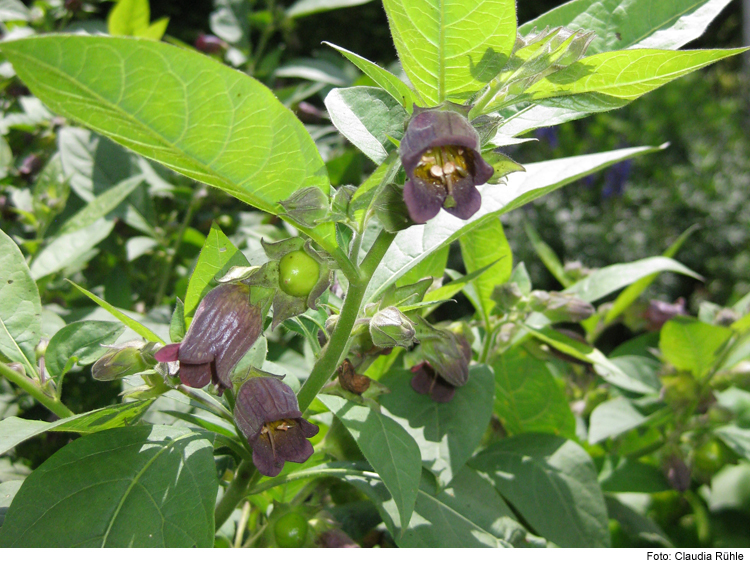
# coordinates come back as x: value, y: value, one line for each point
x: 168, y: 353
x: 263, y: 457
x: 291, y: 445
x: 423, y: 199
x: 467, y: 197
x: 263, y: 400
x: 195, y: 375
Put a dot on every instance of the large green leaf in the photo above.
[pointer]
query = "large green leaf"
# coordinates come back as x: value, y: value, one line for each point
x: 636, y: 525
x: 692, y: 345
x: 81, y: 343
x: 217, y: 256
x: 414, y: 244
x: 180, y: 108
x: 367, y: 116
x: 629, y: 475
x: 128, y: 487
x: 528, y: 399
x: 14, y: 430
x: 620, y: 24
x: 451, y: 48
x: 552, y: 483
x: 618, y: 77
x: 606, y: 280
x: 447, y: 434
x: 388, y: 448
x: 631, y: 293
x: 20, y: 307
x: 481, y: 247
x: 665, y: 24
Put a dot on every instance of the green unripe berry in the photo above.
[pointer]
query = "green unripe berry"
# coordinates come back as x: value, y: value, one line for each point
x: 290, y: 530
x: 298, y: 273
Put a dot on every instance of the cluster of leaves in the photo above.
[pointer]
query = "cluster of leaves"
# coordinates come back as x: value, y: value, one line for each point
x: 544, y: 440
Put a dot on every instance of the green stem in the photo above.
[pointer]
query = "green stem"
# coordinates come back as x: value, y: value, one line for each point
x: 207, y: 402
x: 234, y: 493
x: 331, y: 357
x: 30, y: 387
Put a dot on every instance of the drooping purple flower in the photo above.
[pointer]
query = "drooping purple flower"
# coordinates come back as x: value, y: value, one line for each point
x: 267, y: 413
x: 224, y: 328
x: 659, y: 312
x: 445, y: 370
x: 440, y: 153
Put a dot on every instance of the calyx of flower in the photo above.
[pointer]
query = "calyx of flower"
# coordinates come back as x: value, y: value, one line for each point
x: 441, y: 156
x: 224, y: 327
x: 267, y: 413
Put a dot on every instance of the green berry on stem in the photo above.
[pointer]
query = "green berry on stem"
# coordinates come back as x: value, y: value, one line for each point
x: 290, y: 530
x: 298, y: 273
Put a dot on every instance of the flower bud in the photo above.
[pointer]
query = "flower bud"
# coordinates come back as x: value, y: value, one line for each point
x: 560, y: 307
x: 390, y: 327
x: 124, y: 360
x: 506, y: 296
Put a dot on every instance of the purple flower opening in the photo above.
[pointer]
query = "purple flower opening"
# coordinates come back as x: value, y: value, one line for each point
x: 440, y: 153
x: 267, y: 413
x: 224, y: 328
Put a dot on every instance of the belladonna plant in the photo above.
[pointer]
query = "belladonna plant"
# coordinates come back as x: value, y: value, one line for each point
x: 224, y: 328
x: 440, y: 153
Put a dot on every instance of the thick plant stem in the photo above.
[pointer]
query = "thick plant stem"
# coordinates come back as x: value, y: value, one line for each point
x: 234, y: 493
x: 331, y: 357
x: 30, y: 387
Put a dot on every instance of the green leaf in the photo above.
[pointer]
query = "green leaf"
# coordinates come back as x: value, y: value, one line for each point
x: 209, y: 122
x: 689, y: 344
x: 20, y: 307
x: 387, y: 81
x: 730, y: 488
x: 546, y: 255
x: 613, y: 418
x: 303, y: 8
x: 14, y: 430
x: 632, y: 292
x: 142, y: 487
x: 65, y: 250
x: 455, y: 286
x: 552, y: 483
x: 388, y: 448
x: 92, y: 164
x: 101, y: 205
x: 446, y: 434
x: 636, y: 525
x: 81, y: 341
x: 606, y: 368
x: 627, y: 475
x: 8, y: 491
x: 177, y: 327
x: 606, y: 280
x: 738, y: 439
x: 620, y: 24
x: 528, y: 399
x: 619, y: 77
x: 417, y: 243
x: 481, y: 246
x: 217, y: 256
x: 367, y: 116
x: 13, y: 10
x: 128, y: 16
x: 134, y: 325
x: 155, y: 31
x: 449, y: 50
